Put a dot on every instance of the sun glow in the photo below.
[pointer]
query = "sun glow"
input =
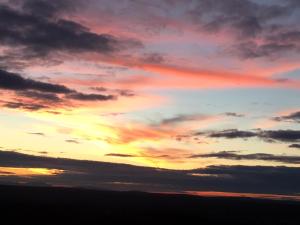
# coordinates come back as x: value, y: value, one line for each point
x: 12, y: 171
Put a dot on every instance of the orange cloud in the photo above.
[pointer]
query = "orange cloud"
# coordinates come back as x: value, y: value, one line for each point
x: 140, y: 133
x: 171, y: 76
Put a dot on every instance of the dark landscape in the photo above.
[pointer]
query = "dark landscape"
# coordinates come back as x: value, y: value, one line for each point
x: 56, y: 205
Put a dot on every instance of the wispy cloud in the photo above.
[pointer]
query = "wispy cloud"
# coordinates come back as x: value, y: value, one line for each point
x: 256, y: 156
x: 120, y: 155
x: 72, y: 141
x: 293, y: 117
x: 37, y: 133
x: 267, y: 135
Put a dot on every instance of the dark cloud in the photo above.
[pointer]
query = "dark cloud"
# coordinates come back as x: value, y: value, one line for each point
x: 120, y: 92
x: 41, y: 35
x: 120, y: 155
x: 25, y: 106
x: 125, y: 93
x: 16, y: 82
x: 183, y: 118
x: 38, y: 32
x: 40, y: 96
x: 260, y: 28
x: 72, y: 141
x: 251, y: 49
x: 267, y: 135
x: 44, y: 8
x: 255, y: 176
x: 293, y: 117
x: 273, y: 23
x: 90, y: 97
x: 43, y: 152
x: 101, y: 175
x: 233, y: 114
x: 233, y: 133
x: 54, y: 112
x: 291, y: 37
x: 100, y: 89
x: 280, y: 135
x: 153, y: 58
x: 294, y: 146
x: 246, y: 17
x: 257, y: 156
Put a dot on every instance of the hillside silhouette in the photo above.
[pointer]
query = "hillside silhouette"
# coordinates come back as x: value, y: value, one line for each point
x: 56, y: 205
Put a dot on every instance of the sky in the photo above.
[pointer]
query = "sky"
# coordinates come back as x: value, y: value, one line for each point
x: 164, y: 95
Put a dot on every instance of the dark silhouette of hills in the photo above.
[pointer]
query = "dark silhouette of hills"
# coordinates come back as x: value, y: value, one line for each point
x: 55, y: 206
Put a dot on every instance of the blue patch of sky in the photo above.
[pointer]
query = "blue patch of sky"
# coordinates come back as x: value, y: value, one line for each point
x: 256, y: 102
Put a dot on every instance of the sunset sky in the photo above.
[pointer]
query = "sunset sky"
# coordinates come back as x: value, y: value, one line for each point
x: 179, y: 90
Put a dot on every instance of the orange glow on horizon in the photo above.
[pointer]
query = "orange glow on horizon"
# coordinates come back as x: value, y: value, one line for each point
x: 14, y: 171
x: 244, y: 195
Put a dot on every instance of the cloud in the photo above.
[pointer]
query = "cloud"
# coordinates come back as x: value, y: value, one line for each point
x: 267, y: 135
x: 41, y: 35
x: 120, y: 155
x: 125, y: 93
x: 178, y: 76
x: 40, y: 96
x: 251, y: 49
x: 281, y: 135
x: 37, y: 133
x: 35, y: 95
x: 294, y: 146
x: 25, y: 106
x: 233, y: 114
x: 44, y: 152
x: 233, y: 133
x: 260, y: 29
x: 183, y: 118
x: 153, y: 154
x: 72, y: 141
x: 257, y: 156
x: 215, y: 15
x: 90, y: 97
x: 44, y: 8
x: 293, y: 117
x: 13, y: 81
x: 174, y: 154
x: 153, y: 58
x: 101, y: 175
x: 120, y: 92
x: 140, y: 132
x: 255, y: 176
x: 40, y: 32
